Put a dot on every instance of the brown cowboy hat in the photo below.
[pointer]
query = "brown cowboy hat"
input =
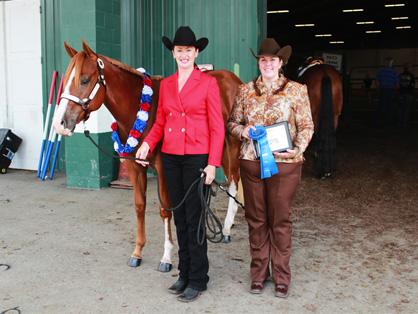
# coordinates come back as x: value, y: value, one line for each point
x: 185, y: 37
x: 270, y: 47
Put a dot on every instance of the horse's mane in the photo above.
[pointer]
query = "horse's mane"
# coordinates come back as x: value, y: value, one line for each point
x: 128, y: 68
x: 123, y: 66
x: 78, y: 60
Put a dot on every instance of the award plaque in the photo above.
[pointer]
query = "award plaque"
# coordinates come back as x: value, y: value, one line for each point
x: 278, y: 136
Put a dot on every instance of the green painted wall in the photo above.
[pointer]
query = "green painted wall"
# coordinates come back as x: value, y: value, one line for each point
x: 108, y: 28
x: 131, y: 30
x: 51, y: 56
x: 86, y: 166
x: 232, y: 26
x: 98, y: 22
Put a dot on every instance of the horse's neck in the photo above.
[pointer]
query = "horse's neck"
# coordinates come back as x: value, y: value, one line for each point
x: 122, y: 97
x: 302, y: 70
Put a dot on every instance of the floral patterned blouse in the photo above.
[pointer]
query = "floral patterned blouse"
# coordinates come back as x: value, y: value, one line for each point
x: 285, y: 100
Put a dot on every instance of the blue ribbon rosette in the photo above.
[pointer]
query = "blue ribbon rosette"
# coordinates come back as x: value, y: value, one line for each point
x: 267, y: 162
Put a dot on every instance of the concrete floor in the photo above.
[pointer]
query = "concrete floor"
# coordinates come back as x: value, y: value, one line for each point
x: 67, y: 250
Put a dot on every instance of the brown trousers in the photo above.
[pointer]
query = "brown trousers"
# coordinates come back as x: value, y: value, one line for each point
x: 267, y: 211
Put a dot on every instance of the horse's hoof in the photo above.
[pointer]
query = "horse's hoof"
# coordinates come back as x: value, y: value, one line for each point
x: 134, y: 261
x: 227, y: 239
x: 165, y: 267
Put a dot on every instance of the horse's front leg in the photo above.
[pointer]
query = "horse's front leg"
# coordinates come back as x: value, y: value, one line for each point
x: 231, y: 212
x: 138, y: 177
x: 230, y: 163
x: 166, y: 263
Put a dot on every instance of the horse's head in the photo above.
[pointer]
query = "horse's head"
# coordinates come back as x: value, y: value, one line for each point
x: 84, y: 90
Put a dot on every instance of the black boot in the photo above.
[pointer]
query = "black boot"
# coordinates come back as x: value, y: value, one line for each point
x: 189, y: 295
x: 178, y: 287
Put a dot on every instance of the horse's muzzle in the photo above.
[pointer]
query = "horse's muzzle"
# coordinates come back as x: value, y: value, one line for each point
x: 61, y: 128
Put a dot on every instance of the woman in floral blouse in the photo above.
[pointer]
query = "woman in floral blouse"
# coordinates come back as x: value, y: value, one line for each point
x: 269, y: 99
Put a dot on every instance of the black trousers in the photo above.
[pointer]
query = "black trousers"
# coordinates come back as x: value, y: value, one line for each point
x: 180, y: 171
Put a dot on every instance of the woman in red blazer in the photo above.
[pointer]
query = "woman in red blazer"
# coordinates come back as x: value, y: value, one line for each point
x: 189, y: 121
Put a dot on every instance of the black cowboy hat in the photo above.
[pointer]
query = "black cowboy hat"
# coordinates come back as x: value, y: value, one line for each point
x: 185, y: 37
x: 270, y: 47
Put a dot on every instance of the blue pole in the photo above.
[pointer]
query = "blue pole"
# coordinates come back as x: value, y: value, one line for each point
x: 51, y: 143
x: 54, y: 161
x: 41, y: 157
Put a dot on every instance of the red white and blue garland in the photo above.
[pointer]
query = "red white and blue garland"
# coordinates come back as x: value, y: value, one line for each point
x: 140, y: 122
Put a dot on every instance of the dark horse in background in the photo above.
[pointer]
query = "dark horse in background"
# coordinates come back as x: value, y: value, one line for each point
x: 92, y: 80
x: 326, y: 97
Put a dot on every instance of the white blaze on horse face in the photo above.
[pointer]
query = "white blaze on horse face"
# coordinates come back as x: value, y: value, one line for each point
x: 232, y: 210
x: 59, y: 114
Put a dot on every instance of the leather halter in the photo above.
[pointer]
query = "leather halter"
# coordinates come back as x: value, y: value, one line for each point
x: 85, y: 102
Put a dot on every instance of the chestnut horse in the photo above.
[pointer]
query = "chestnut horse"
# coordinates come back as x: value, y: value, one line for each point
x: 92, y: 80
x: 326, y: 97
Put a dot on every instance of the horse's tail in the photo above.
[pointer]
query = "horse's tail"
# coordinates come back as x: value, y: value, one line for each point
x: 326, y: 137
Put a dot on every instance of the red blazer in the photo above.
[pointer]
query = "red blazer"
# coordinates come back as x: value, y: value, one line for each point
x: 190, y: 122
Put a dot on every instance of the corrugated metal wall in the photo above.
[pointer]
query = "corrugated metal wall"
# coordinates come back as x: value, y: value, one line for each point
x: 232, y: 26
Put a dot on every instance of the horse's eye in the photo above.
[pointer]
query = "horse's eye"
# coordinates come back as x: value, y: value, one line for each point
x: 85, y: 81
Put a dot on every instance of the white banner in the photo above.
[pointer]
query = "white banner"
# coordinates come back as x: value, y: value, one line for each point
x: 333, y: 59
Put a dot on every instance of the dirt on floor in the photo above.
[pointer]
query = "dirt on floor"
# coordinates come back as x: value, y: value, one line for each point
x: 355, y: 243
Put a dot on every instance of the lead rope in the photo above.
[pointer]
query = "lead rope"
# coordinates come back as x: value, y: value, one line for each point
x: 209, y: 224
x: 220, y: 186
x: 87, y: 134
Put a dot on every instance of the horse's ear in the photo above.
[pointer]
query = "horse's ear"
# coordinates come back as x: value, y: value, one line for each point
x: 70, y: 50
x: 88, y: 50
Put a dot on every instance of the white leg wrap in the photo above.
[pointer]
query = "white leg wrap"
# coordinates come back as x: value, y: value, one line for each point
x: 232, y: 210
x: 168, y: 246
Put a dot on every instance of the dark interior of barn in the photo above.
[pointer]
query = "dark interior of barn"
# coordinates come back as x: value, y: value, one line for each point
x: 363, y: 34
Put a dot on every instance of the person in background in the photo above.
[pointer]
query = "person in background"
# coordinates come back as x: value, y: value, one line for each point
x: 189, y: 121
x: 367, y: 83
x: 387, y: 81
x: 267, y: 100
x: 406, y: 96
